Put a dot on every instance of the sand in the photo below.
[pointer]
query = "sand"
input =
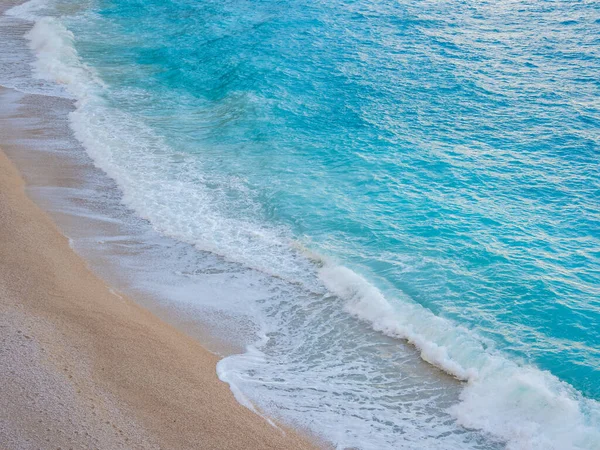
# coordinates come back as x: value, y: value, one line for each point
x: 83, y: 367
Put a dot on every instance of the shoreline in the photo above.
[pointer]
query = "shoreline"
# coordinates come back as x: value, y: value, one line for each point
x: 84, y: 366
x: 325, y: 307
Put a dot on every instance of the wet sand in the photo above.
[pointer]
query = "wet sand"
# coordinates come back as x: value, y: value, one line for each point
x: 84, y: 367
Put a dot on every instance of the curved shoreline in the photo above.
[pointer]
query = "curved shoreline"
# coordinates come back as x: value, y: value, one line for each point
x: 82, y: 366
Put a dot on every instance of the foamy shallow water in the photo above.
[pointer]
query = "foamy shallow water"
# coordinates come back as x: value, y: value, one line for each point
x: 449, y: 231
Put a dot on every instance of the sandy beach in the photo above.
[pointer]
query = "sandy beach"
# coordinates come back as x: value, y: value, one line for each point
x: 84, y: 367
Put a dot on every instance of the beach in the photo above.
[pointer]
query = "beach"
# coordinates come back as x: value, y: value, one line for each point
x: 248, y: 223
x: 85, y: 367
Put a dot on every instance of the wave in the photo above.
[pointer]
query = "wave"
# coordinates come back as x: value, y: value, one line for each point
x: 160, y: 184
x: 526, y: 407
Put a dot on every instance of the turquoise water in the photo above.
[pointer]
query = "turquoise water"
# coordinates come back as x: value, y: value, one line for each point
x: 432, y: 165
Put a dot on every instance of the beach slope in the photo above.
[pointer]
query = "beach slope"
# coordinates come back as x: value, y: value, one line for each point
x: 84, y: 367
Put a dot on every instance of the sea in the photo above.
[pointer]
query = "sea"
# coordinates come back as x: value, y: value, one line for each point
x: 387, y: 210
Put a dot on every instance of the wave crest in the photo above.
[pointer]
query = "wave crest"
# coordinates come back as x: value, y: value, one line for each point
x: 527, y: 407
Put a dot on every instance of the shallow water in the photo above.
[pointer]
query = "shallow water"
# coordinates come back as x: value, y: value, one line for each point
x: 340, y: 177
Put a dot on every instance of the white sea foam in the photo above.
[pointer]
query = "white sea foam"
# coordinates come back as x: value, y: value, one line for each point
x: 528, y: 408
x: 31, y: 10
x: 176, y: 201
x: 53, y: 45
x: 229, y: 377
x: 413, y: 323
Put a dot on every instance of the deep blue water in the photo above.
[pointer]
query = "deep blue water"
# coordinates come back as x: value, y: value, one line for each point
x: 442, y: 156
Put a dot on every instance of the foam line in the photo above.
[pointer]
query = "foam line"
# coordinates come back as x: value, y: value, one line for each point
x: 528, y: 408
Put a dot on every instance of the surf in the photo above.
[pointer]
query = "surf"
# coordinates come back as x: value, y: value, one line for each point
x: 514, y: 402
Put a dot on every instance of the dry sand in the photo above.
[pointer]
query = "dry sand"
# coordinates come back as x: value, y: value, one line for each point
x: 82, y: 367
